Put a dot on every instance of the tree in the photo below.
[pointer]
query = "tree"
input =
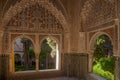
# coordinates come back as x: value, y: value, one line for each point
x: 52, y: 44
x: 48, y: 53
x: 26, y: 45
x: 103, y: 47
x: 103, y: 61
x: 31, y: 53
x: 44, y: 55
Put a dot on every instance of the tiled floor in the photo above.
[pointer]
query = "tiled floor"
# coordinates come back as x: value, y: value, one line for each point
x: 61, y: 78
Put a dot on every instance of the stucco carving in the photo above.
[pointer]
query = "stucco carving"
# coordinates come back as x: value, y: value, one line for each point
x: 97, y: 12
x: 35, y: 19
x: 24, y: 4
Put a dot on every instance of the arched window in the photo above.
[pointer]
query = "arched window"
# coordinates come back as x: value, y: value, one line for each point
x: 103, y: 60
x: 26, y: 59
x: 49, y: 55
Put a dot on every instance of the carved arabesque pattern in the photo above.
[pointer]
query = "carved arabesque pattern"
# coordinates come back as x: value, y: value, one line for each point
x: 36, y: 19
x: 23, y: 4
x: 96, y: 12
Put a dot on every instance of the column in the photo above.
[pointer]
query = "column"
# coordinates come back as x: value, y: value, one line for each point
x: 91, y: 61
x: 37, y: 51
x: 12, y: 61
x: 37, y: 62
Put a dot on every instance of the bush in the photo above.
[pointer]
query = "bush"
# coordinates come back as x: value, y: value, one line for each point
x: 105, y: 68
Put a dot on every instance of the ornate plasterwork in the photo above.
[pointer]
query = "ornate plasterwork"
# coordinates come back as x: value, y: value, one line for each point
x: 35, y: 18
x: 96, y: 12
x: 24, y: 4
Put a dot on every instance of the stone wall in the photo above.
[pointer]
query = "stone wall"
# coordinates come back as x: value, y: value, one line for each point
x: 4, y: 67
x: 76, y: 65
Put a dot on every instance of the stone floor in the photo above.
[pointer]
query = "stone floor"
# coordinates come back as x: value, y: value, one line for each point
x: 61, y: 78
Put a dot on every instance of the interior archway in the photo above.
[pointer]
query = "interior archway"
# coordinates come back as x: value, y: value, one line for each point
x: 49, y: 55
x: 24, y: 47
x: 103, y: 60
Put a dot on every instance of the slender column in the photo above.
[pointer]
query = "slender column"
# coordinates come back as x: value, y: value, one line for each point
x: 12, y: 63
x: 37, y: 51
x: 10, y: 51
x: 37, y: 62
x: 90, y: 61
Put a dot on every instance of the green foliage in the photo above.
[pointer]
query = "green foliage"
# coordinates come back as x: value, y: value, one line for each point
x: 19, y: 68
x: 103, y: 62
x: 22, y: 68
x: 102, y: 47
x: 16, y: 57
x: 48, y: 51
x: 31, y: 53
x: 97, y: 69
x: 42, y: 55
x: 48, y: 46
x: 99, y: 52
x: 52, y: 44
x: 107, y: 64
